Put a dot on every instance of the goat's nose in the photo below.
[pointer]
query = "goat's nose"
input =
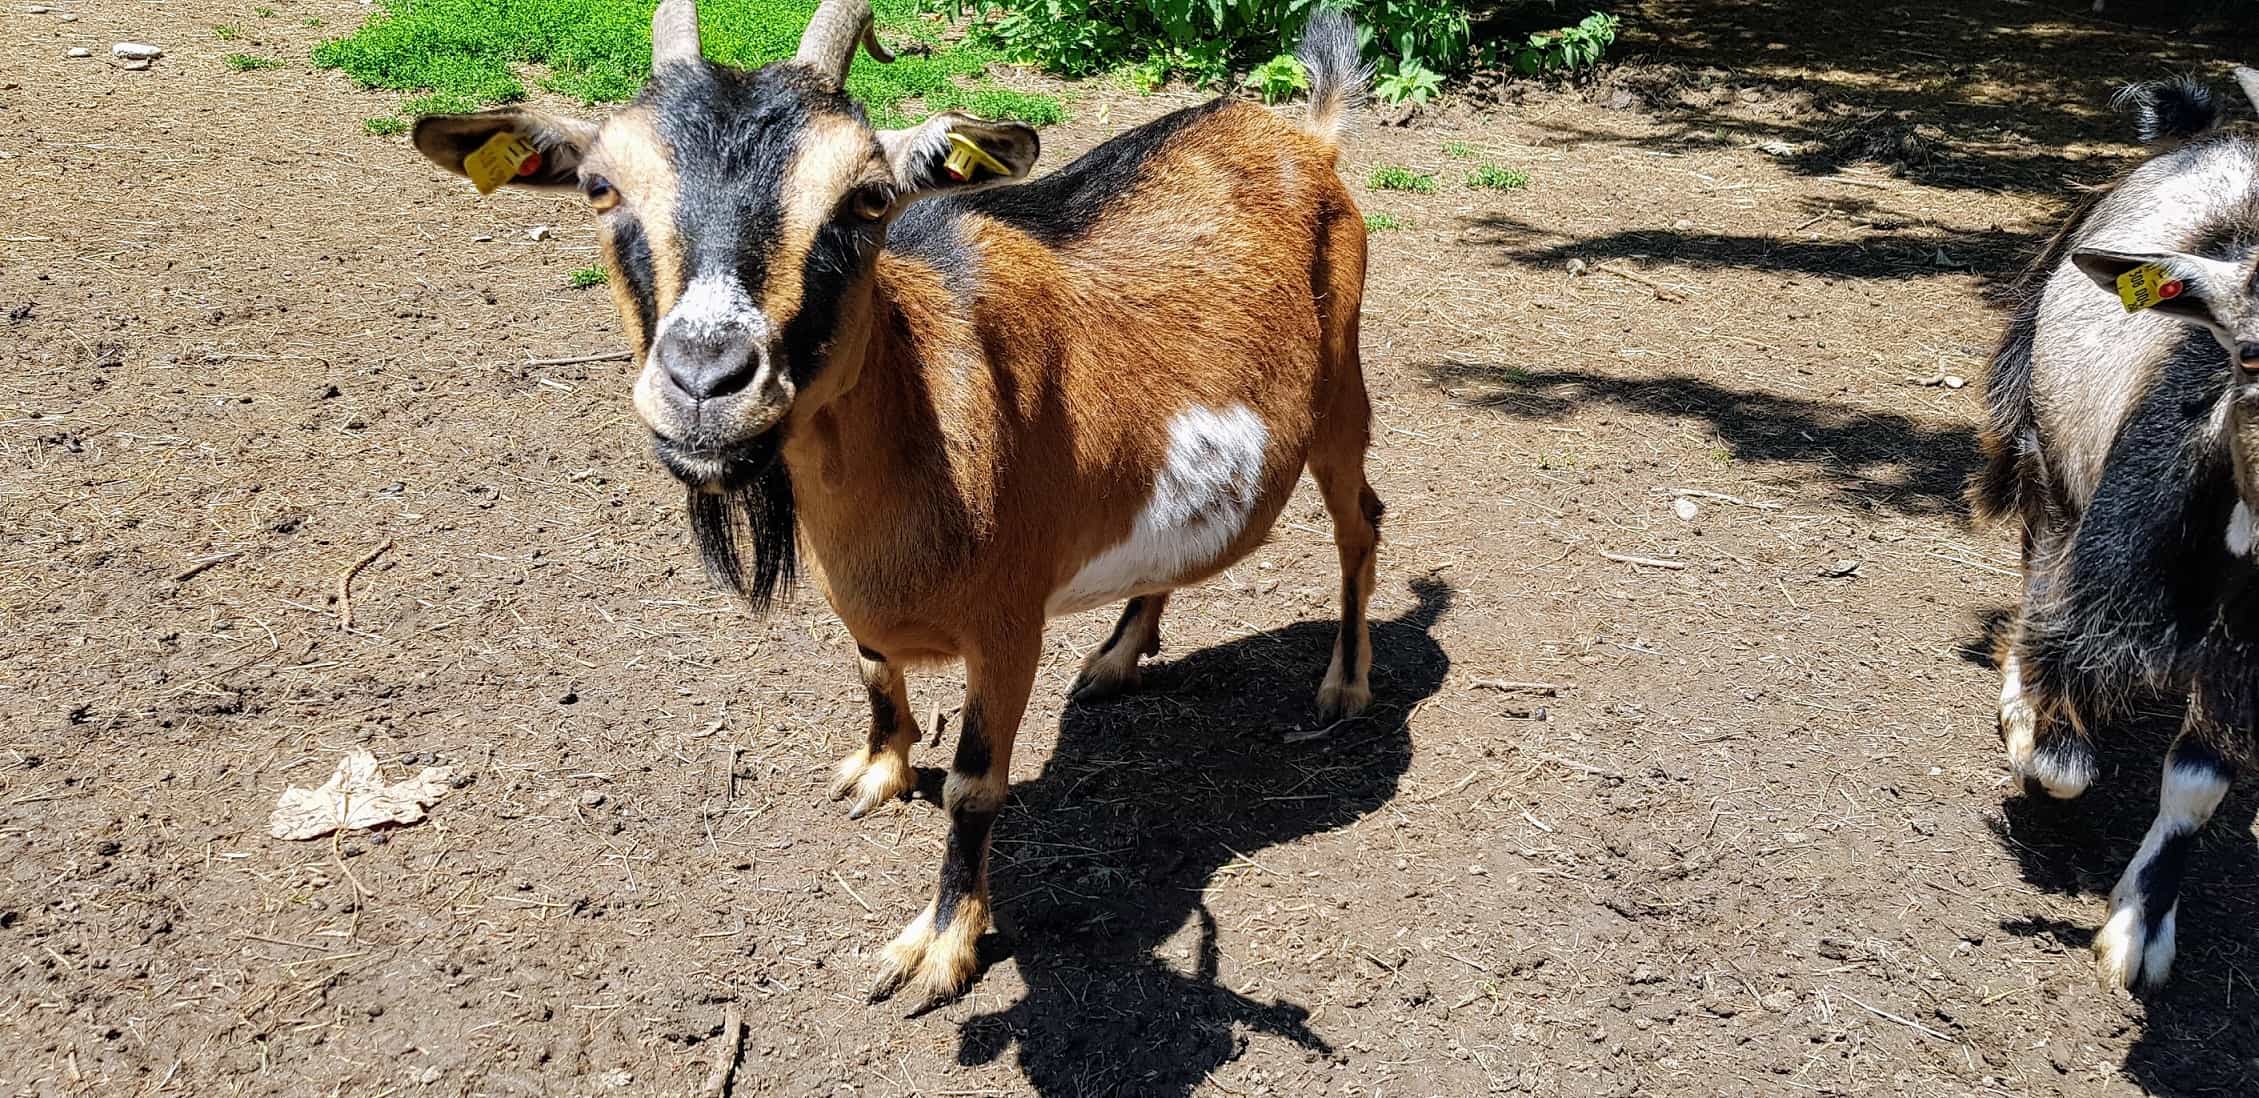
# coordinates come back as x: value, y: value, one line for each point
x: 2247, y: 355
x: 711, y: 362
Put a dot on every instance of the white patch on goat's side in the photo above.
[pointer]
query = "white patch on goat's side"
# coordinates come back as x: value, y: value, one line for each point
x: 2239, y: 531
x: 1202, y: 498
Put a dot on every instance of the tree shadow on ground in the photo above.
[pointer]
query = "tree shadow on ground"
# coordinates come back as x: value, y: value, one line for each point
x: 1114, y: 848
x: 1869, y: 459
x: 1970, y: 94
x: 1895, y: 246
x: 2198, y: 1035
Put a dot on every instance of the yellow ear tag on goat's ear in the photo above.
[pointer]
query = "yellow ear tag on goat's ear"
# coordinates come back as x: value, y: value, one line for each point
x: 2147, y: 286
x: 964, y: 156
x: 499, y: 160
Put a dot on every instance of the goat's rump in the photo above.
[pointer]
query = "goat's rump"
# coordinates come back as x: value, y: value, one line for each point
x: 2130, y: 593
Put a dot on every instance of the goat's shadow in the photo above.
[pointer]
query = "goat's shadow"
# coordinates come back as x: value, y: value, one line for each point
x: 1115, y: 845
x: 2197, y: 1036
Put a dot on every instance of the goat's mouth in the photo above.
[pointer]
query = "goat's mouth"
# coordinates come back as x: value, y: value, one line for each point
x: 730, y: 466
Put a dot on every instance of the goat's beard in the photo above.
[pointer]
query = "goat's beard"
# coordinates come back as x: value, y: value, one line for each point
x: 743, y: 523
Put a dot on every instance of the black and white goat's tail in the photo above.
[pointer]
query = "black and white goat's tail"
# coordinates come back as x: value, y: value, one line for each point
x: 1337, y: 77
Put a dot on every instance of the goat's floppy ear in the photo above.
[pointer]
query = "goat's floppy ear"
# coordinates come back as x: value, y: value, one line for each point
x: 2176, y: 284
x: 956, y: 152
x: 558, y: 145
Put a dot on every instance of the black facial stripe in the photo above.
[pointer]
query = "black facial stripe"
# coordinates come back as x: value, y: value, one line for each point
x: 841, y: 252
x: 632, y: 251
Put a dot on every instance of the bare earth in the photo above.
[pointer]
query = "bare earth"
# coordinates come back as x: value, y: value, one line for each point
x: 1760, y: 841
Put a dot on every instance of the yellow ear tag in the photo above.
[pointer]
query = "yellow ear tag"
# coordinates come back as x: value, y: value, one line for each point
x: 964, y: 156
x: 2146, y: 287
x: 498, y: 161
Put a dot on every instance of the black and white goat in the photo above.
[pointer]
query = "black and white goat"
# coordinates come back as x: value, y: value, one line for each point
x: 2123, y: 433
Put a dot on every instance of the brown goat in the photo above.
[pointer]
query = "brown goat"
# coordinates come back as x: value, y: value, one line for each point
x: 982, y: 403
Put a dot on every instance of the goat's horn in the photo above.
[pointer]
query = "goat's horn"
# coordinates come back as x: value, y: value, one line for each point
x: 829, y: 44
x: 674, y: 32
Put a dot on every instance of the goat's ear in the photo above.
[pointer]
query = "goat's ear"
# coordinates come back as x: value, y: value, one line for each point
x: 957, y: 152
x: 2248, y: 80
x: 2184, y: 294
x: 559, y: 142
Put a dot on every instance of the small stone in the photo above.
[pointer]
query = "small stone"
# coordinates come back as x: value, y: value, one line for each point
x: 429, y: 1075
x: 66, y: 17
x: 1576, y: 267
x: 538, y: 232
x: 1682, y: 225
x: 136, y: 51
x: 135, y: 65
x: 593, y: 798
x: 1842, y: 568
x: 1955, y: 381
x: 38, y: 9
x: 1685, y: 508
x: 482, y: 238
x: 78, y: 51
x: 1777, y: 148
x: 617, y: 1077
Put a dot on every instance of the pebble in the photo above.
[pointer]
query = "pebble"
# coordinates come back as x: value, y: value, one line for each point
x: 66, y: 17
x: 1682, y: 225
x: 1576, y: 267
x: 1955, y: 381
x: 135, y: 65
x: 538, y: 232
x: 482, y: 238
x: 1685, y: 508
x: 38, y: 9
x: 429, y: 1076
x: 136, y: 51
x: 78, y: 51
x: 592, y: 799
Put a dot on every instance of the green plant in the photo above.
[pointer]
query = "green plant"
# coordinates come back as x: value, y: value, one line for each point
x: 1568, y: 49
x: 1383, y: 223
x: 226, y: 33
x: 390, y: 125
x: 1201, y: 41
x: 1408, y: 82
x: 1389, y: 177
x: 247, y: 62
x: 459, y: 55
x: 1458, y: 150
x: 263, y: 12
x: 1277, y: 79
x: 311, y: 21
x: 586, y: 277
x: 1492, y: 177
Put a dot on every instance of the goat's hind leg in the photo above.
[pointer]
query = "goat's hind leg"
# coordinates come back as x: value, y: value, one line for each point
x: 1347, y: 688
x: 2042, y: 727
x: 1112, y: 669
x: 880, y: 771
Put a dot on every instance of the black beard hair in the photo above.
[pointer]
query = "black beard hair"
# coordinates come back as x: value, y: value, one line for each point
x: 751, y: 509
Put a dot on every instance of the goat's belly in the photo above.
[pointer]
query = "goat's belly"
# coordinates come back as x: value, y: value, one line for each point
x: 1210, y: 488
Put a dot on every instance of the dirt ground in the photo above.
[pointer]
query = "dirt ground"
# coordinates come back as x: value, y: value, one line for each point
x: 1761, y: 841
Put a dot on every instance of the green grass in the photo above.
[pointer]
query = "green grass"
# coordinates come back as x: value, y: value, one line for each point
x: 312, y: 21
x: 391, y: 125
x: 249, y: 62
x: 1383, y: 223
x: 226, y: 33
x: 599, y: 51
x: 1458, y: 150
x: 1389, y: 177
x: 263, y: 12
x: 588, y: 276
x: 1492, y: 177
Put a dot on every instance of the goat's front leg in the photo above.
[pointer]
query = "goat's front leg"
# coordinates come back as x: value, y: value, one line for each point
x: 935, y: 955
x: 2136, y: 947
x: 880, y: 770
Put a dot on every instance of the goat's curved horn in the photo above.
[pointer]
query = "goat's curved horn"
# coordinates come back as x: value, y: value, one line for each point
x: 829, y: 44
x: 674, y: 32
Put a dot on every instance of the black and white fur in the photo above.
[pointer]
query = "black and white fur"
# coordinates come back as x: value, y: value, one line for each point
x: 2127, y: 446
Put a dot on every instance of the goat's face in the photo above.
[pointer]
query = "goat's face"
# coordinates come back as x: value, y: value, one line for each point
x: 741, y: 215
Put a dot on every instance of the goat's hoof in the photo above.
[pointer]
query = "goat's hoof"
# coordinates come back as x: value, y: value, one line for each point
x: 930, y: 969
x: 2127, y: 955
x: 1099, y: 682
x: 873, y: 781
x: 1341, y: 700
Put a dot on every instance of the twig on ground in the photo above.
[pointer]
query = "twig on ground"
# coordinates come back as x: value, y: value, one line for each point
x: 1721, y: 497
x: 1314, y: 733
x: 608, y: 356
x: 851, y: 891
x: 1651, y: 562
x: 725, y: 1054
x: 345, y: 584
x: 1509, y: 686
x: 1662, y: 292
x: 1898, y: 1018
x: 205, y: 565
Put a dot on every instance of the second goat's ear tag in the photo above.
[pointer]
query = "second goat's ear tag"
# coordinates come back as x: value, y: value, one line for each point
x: 499, y: 161
x: 965, y: 155
x: 2147, y: 286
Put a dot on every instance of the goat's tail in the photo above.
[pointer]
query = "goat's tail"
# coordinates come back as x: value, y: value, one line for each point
x: 2166, y: 111
x: 1337, y: 78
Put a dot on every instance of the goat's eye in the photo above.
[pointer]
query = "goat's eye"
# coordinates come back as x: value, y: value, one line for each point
x: 601, y: 194
x: 871, y: 201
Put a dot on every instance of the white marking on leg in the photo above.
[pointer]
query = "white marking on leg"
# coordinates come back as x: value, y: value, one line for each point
x: 2239, y: 531
x: 1202, y: 498
x: 2127, y: 951
x: 2019, y: 722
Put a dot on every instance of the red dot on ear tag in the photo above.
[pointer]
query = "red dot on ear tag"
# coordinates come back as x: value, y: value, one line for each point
x: 2169, y: 290
x: 533, y: 164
